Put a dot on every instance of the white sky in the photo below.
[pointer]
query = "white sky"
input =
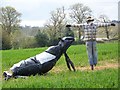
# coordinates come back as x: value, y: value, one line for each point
x: 37, y: 12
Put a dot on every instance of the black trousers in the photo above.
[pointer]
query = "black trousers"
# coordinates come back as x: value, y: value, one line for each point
x: 31, y: 67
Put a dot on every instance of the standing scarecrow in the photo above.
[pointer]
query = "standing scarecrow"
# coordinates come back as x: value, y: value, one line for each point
x: 90, y: 29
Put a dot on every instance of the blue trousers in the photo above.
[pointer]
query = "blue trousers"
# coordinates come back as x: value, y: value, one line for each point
x: 92, y: 52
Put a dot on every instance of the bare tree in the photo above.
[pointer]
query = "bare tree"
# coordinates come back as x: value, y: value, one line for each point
x: 9, y: 19
x: 78, y: 13
x: 56, y: 22
x: 105, y: 19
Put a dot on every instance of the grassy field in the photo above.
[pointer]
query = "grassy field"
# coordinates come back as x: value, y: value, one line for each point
x: 105, y: 74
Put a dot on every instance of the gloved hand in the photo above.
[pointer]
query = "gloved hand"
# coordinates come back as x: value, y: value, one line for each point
x: 82, y: 37
x: 112, y: 24
x: 68, y: 25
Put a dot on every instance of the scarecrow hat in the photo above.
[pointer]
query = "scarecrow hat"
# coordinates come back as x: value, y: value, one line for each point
x: 90, y: 19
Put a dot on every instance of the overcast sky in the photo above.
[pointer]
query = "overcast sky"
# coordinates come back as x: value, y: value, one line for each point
x: 36, y: 12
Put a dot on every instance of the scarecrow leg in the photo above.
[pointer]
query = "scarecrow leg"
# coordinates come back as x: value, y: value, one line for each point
x: 68, y: 64
x: 69, y: 61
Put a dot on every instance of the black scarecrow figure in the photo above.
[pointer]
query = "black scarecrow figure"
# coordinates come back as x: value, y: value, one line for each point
x: 43, y: 62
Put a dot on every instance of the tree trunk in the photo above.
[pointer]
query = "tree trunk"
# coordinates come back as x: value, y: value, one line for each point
x: 107, y: 32
x: 79, y: 34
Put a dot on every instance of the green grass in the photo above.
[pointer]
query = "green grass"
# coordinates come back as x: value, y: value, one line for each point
x: 68, y: 79
x: 106, y: 78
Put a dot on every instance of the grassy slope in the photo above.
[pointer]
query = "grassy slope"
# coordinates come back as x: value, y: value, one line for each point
x: 80, y: 79
x: 66, y: 79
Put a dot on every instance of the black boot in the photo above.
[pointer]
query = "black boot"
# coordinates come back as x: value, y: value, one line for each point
x: 92, y: 67
x: 7, y: 75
